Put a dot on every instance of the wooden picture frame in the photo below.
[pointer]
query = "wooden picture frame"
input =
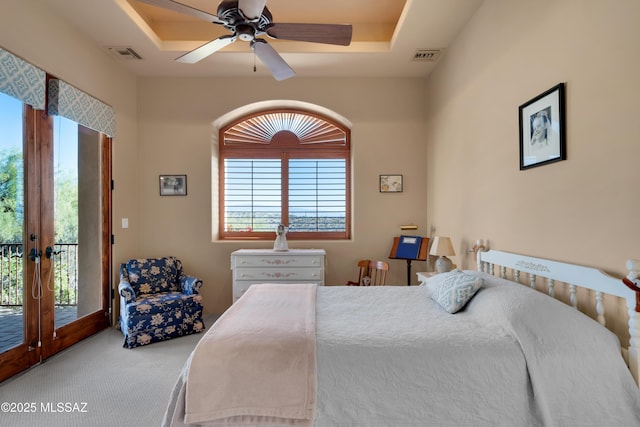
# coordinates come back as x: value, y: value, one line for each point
x: 173, y: 185
x: 542, y: 129
x: 391, y: 183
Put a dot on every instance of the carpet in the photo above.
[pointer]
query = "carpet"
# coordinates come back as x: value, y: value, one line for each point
x: 97, y: 382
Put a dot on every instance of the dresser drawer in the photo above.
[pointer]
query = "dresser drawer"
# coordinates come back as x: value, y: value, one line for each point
x: 257, y: 266
x: 277, y: 261
x: 278, y: 274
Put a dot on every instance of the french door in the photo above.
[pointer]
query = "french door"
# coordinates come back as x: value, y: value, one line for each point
x: 54, y: 234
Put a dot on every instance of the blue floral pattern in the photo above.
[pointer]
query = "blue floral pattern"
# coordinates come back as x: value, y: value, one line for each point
x: 158, y: 301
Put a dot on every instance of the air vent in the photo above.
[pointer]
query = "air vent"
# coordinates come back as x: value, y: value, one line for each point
x: 427, y: 55
x: 123, y: 52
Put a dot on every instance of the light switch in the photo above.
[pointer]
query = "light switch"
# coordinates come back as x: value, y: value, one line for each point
x: 125, y: 222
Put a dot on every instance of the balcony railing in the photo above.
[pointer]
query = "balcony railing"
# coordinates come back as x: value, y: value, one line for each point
x: 63, y: 279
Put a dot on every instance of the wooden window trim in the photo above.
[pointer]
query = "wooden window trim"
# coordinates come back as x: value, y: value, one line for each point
x: 284, y: 145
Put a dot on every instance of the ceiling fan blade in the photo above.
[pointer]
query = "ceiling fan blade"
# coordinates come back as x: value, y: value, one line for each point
x: 272, y: 60
x: 252, y: 9
x: 317, y: 33
x: 206, y: 49
x: 183, y: 8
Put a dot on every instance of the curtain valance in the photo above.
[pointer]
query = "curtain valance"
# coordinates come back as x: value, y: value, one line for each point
x: 74, y: 104
x: 22, y: 80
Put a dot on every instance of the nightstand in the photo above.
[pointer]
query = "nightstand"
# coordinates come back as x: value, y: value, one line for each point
x: 424, y: 275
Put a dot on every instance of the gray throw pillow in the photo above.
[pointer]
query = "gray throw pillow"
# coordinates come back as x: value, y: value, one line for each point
x: 454, y: 290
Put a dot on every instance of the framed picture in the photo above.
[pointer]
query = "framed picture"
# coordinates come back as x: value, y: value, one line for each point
x: 391, y: 183
x: 542, y: 129
x: 173, y: 185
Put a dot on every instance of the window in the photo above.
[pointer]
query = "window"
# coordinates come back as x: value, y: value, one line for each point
x: 284, y: 166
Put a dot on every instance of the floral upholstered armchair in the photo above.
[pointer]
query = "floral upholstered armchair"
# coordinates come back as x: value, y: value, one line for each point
x: 158, y: 301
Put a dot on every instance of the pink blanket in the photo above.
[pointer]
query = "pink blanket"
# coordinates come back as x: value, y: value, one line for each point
x: 257, y: 364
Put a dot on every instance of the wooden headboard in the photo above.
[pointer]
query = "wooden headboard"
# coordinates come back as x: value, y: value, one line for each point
x: 576, y: 276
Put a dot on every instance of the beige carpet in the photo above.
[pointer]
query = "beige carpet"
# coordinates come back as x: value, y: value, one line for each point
x: 97, y: 383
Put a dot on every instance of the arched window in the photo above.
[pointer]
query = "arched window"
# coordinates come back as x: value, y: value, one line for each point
x: 284, y: 166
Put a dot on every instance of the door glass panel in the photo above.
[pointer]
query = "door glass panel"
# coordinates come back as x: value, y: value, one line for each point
x: 11, y: 223
x: 77, y: 225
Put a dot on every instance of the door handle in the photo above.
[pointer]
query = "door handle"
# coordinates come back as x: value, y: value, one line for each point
x: 34, y: 254
x: 48, y: 252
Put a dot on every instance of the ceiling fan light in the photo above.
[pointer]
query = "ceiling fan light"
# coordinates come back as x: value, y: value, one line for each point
x: 245, y: 33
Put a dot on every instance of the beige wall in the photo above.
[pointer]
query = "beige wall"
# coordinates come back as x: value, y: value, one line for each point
x: 582, y: 210
x: 165, y: 126
x: 453, y: 137
x: 34, y: 32
x: 175, y: 137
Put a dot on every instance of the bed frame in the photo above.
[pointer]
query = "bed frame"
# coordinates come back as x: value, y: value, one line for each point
x: 576, y: 276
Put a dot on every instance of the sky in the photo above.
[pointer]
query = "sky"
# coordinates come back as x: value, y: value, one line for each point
x: 65, y: 134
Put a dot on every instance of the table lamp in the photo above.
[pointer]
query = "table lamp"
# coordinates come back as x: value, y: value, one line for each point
x: 442, y: 247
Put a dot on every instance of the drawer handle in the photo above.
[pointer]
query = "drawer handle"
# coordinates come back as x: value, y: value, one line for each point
x: 278, y: 275
x: 278, y: 261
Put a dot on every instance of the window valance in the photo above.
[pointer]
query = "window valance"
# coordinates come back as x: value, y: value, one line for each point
x: 74, y: 104
x: 22, y: 80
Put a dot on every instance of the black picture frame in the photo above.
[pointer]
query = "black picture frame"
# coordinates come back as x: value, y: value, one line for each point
x: 542, y: 129
x: 173, y: 185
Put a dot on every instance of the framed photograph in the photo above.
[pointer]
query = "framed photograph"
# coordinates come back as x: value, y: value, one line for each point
x: 173, y: 185
x: 542, y: 129
x: 391, y: 183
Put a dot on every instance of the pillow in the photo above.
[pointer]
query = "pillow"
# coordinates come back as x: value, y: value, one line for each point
x: 434, y: 282
x: 454, y: 290
x: 153, y: 275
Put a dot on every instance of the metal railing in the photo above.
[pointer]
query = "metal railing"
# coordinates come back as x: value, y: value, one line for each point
x: 63, y: 279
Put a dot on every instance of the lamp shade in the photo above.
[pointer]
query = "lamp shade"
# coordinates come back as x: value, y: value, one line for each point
x: 442, y: 246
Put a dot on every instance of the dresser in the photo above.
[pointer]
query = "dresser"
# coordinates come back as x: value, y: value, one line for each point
x: 252, y: 266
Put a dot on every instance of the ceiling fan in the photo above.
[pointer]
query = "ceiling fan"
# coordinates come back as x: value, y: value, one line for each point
x: 249, y: 19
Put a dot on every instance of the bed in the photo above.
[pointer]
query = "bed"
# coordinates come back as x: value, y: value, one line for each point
x: 301, y: 355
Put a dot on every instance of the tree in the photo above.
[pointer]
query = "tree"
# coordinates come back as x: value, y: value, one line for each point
x: 11, y: 181
x: 11, y: 201
x: 11, y: 226
x: 66, y: 209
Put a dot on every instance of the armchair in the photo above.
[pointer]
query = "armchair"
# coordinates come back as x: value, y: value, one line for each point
x: 158, y: 301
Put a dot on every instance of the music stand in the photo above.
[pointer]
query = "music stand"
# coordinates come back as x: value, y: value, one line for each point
x: 409, y: 248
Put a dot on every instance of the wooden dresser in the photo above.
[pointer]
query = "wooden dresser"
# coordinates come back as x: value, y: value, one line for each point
x: 253, y: 266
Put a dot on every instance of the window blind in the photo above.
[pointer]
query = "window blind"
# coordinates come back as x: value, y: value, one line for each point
x: 317, y: 195
x: 252, y: 195
x: 285, y: 166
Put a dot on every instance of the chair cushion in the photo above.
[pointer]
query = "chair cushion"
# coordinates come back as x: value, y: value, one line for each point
x: 163, y: 303
x: 154, y: 275
x: 150, y: 328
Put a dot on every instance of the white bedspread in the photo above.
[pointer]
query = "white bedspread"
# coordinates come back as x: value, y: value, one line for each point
x: 390, y: 356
